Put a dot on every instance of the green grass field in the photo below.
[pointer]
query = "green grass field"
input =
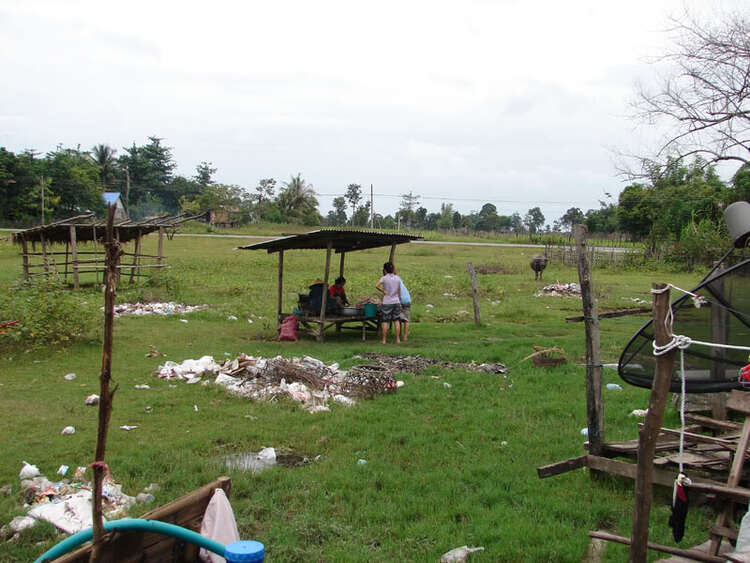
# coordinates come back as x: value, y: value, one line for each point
x: 445, y: 466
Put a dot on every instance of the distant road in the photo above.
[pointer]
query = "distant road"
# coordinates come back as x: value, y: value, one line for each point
x: 616, y: 250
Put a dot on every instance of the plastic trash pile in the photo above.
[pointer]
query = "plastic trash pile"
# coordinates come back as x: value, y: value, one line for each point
x: 169, y: 308
x: 307, y: 381
x: 66, y: 504
x: 558, y: 289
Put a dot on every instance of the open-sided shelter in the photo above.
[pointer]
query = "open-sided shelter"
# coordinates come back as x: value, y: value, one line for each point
x: 339, y: 241
x: 89, y: 231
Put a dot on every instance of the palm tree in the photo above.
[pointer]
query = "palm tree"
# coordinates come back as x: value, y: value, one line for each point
x: 297, y: 199
x: 104, y: 157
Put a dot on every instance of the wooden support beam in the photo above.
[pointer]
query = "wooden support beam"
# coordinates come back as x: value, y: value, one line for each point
x: 44, y: 253
x: 392, y: 256
x: 712, y: 423
x: 649, y: 433
x: 560, y: 467
x: 280, y: 288
x: 341, y: 265
x: 612, y: 314
x: 25, y: 250
x: 136, y: 256
x: 160, y: 246
x: 719, y: 335
x: 594, y: 405
x: 693, y: 554
x: 474, y: 293
x: 325, y: 292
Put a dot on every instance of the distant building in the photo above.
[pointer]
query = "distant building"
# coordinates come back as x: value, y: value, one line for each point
x: 112, y: 198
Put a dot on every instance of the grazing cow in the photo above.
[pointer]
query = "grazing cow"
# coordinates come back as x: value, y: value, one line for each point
x: 538, y: 264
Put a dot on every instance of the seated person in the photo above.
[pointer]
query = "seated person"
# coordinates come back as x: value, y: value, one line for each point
x: 316, y: 298
x: 337, y: 294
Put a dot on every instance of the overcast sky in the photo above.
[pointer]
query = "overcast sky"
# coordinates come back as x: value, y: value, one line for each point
x: 517, y: 103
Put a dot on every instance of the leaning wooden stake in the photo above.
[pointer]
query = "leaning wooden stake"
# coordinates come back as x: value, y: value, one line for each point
x: 475, y: 293
x: 112, y: 257
x: 650, y: 430
x: 594, y: 406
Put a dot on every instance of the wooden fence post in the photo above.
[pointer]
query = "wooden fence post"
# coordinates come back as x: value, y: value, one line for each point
x: 650, y: 430
x: 594, y: 405
x: 74, y: 256
x: 475, y: 293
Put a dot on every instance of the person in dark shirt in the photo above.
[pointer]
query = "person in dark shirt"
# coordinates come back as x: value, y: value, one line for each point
x: 338, y: 293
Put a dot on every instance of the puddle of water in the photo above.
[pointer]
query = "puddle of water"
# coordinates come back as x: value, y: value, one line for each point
x: 255, y: 462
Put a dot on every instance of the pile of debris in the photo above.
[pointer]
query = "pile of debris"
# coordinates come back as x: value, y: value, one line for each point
x: 417, y: 364
x: 66, y: 504
x: 307, y: 381
x: 142, y: 309
x: 558, y: 289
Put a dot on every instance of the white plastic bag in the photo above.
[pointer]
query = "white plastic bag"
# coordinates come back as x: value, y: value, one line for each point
x: 219, y: 525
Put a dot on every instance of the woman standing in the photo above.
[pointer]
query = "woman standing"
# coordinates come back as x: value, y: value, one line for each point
x: 390, y: 285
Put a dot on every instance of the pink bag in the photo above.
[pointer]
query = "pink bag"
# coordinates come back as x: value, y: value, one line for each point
x: 288, y: 330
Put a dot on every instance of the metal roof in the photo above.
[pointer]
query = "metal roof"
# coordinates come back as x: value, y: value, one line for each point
x: 342, y: 240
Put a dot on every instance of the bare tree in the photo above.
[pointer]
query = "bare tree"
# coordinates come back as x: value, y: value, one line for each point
x: 705, y: 98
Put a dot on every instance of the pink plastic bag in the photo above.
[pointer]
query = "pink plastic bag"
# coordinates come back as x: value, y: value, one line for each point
x: 288, y: 330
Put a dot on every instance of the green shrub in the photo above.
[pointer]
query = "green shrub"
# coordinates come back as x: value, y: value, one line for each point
x: 48, y: 314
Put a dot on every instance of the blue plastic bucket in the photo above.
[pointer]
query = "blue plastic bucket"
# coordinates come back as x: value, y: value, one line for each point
x: 371, y: 309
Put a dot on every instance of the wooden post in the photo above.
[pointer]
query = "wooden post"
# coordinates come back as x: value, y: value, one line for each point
x: 160, y: 246
x: 280, y: 289
x: 44, y: 253
x: 67, y: 251
x: 112, y: 257
x: 341, y: 265
x: 594, y: 406
x: 650, y: 430
x: 325, y: 292
x: 475, y: 293
x: 392, y: 255
x: 25, y: 250
x: 74, y: 256
x: 720, y: 335
x: 136, y: 257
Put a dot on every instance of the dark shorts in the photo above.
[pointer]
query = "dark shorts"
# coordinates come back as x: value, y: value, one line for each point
x: 390, y: 312
x: 405, y: 313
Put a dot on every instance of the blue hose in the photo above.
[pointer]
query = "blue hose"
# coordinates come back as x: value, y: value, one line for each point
x: 135, y: 525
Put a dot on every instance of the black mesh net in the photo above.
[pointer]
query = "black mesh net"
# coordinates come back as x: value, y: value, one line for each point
x: 724, y: 317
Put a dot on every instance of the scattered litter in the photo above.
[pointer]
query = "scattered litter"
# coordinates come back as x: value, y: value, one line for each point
x: 148, y: 410
x: 68, y: 430
x: 584, y: 431
x: 361, y: 461
x: 183, y: 320
x: 144, y: 498
x: 504, y: 443
x: 67, y: 504
x: 169, y: 308
x: 154, y: 353
x: 193, y: 380
x: 447, y: 276
x: 637, y: 300
x: 16, y: 526
x: 558, y: 289
x: 63, y: 470
x: 28, y: 471
x: 142, y: 386
x: 430, y: 306
x: 307, y: 381
x: 227, y: 354
x: 496, y: 302
x: 447, y: 385
x: 267, y: 454
x: 639, y: 412
x: 614, y: 386
x: 195, y: 408
x: 400, y: 384
x: 462, y: 313
x: 449, y: 294
x: 127, y: 428
x: 459, y: 554
x: 188, y: 369
x: 231, y: 318
x: 262, y: 460
x: 250, y: 321
x: 92, y: 400
x: 70, y: 376
x: 417, y: 364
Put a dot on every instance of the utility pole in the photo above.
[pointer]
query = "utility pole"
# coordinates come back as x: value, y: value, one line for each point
x: 372, y: 210
x: 127, y: 191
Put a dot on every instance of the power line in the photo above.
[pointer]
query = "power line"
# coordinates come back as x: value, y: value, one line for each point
x: 466, y: 199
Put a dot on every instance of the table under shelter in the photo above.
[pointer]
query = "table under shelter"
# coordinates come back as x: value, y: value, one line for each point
x: 339, y: 241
